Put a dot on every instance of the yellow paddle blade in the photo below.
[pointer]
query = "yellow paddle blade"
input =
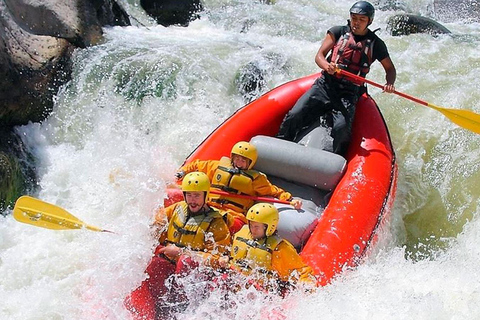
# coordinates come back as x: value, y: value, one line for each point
x: 464, y: 118
x: 46, y: 215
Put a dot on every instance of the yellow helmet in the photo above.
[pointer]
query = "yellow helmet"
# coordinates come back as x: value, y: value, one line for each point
x: 196, y: 181
x: 264, y: 213
x: 247, y: 150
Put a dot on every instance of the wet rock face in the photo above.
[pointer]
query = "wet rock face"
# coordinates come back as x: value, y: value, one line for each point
x: 54, y: 19
x: 405, y: 24
x: 37, y: 39
x: 457, y: 10
x: 172, y: 12
x: 17, y: 173
x: 110, y: 13
x: 31, y: 70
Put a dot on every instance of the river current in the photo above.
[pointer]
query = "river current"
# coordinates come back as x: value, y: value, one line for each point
x: 140, y: 102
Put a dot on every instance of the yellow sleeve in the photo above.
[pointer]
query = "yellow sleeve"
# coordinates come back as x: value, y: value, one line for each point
x: 289, y: 265
x: 207, y: 166
x: 162, y: 218
x: 263, y: 187
x: 170, y: 209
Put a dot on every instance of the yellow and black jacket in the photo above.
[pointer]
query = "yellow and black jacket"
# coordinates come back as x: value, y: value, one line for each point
x: 204, y: 232
x: 271, y: 255
x: 225, y: 177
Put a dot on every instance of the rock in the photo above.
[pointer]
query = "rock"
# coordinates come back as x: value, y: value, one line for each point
x: 74, y: 21
x: 172, y: 12
x: 250, y: 81
x: 110, y: 13
x: 32, y: 67
x: 37, y: 39
x: 405, y: 24
x: 17, y: 173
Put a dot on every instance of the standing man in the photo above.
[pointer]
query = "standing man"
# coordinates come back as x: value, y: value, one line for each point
x: 354, y: 48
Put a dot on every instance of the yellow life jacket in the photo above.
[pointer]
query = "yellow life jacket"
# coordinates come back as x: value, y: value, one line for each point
x: 230, y: 179
x: 249, y: 254
x: 185, y: 230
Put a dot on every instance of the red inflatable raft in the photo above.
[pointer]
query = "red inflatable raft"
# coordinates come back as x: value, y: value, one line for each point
x: 362, y: 198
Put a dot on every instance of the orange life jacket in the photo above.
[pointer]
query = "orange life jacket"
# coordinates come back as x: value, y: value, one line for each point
x: 185, y: 230
x: 248, y: 254
x: 227, y: 178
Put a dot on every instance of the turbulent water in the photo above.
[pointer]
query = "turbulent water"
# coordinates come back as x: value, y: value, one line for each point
x: 142, y: 100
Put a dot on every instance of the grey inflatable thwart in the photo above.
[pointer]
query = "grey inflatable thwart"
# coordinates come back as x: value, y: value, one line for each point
x: 297, y: 225
x: 288, y: 160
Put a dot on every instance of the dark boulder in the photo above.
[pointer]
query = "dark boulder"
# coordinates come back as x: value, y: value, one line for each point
x: 32, y: 67
x: 37, y: 39
x: 405, y: 24
x: 17, y: 173
x: 250, y: 80
x: 110, y: 13
x: 172, y: 12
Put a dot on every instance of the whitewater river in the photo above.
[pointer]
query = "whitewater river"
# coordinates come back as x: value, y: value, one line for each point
x: 142, y: 100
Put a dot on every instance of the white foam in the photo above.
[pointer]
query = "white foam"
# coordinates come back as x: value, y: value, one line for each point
x: 139, y: 103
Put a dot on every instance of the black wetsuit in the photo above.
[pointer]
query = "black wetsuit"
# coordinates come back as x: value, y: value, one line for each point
x: 331, y: 97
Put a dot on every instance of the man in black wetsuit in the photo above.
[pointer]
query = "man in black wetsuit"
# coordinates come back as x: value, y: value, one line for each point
x: 354, y: 48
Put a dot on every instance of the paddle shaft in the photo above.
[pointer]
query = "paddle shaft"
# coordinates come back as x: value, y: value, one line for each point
x: 464, y: 118
x: 361, y: 79
x: 242, y: 196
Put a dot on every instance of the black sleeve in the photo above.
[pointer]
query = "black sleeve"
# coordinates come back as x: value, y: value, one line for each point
x: 380, y: 50
x: 336, y: 32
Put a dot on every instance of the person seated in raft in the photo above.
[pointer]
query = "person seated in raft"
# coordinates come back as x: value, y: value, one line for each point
x: 236, y: 176
x: 258, y: 251
x: 193, y: 230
